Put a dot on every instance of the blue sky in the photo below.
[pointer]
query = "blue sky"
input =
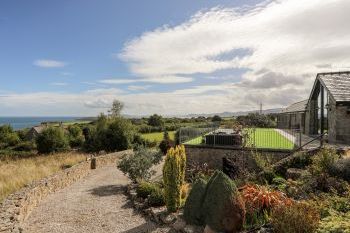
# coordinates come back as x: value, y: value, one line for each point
x: 171, y: 57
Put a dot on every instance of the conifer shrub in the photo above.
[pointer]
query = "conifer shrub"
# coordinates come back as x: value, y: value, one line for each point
x: 193, y: 213
x: 144, y: 189
x: 174, y: 177
x: 223, y: 207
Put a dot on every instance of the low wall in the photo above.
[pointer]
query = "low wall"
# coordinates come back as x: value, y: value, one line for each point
x: 16, y: 207
x: 243, y: 157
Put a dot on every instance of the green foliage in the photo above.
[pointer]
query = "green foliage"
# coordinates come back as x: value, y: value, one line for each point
x: 144, y: 189
x: 216, y: 118
x: 341, y: 169
x: 75, y: 136
x: 174, y: 177
x: 25, y: 146
x: 116, y: 109
x: 299, y: 217
x: 335, y: 223
x: 109, y: 135
x: 256, y: 120
x: 222, y: 205
x: 138, y: 165
x: 156, y: 197
x: 166, y: 143
x: 323, y: 161
x: 8, y: 137
x: 51, y: 140
x: 193, y: 208
x: 156, y: 120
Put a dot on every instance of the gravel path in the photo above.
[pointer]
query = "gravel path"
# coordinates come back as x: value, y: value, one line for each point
x: 95, y: 203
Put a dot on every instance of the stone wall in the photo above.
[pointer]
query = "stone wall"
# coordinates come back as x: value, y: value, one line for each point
x: 243, y: 157
x: 16, y: 207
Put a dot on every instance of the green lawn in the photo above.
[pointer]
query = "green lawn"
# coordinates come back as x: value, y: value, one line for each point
x: 158, y: 136
x: 261, y: 138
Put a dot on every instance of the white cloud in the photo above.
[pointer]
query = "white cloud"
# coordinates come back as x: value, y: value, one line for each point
x: 286, y: 42
x: 163, y: 79
x: 45, y: 63
x: 138, y: 87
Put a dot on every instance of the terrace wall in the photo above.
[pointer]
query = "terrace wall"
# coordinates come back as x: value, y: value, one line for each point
x: 15, y: 208
x: 213, y: 156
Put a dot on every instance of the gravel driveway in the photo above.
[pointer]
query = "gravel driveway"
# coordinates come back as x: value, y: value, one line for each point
x: 95, y: 203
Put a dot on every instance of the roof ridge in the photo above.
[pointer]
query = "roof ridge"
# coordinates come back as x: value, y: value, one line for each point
x: 333, y: 73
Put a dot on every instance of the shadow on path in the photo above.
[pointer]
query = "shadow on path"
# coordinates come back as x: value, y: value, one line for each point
x: 107, y: 190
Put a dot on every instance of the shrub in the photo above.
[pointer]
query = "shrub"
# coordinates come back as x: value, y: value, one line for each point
x: 323, y: 161
x: 341, y: 169
x: 260, y: 198
x: 8, y: 137
x: 174, y: 177
x: 25, y: 146
x: 138, y: 165
x: 144, y: 189
x: 193, y: 213
x: 118, y: 135
x: 51, y: 140
x: 156, y: 120
x: 335, y: 223
x: 299, y: 217
x: 166, y: 143
x: 223, y: 206
x: 75, y: 136
x: 156, y: 197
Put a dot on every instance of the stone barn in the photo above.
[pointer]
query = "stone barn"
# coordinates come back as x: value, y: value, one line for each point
x: 326, y: 111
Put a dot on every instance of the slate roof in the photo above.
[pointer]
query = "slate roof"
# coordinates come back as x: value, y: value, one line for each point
x: 338, y: 85
x: 296, y: 107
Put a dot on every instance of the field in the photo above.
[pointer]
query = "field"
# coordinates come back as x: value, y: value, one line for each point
x: 261, y: 138
x: 158, y: 136
x: 14, y: 174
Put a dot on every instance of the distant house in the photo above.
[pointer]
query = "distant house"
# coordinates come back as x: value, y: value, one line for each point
x: 326, y: 111
x: 35, y: 131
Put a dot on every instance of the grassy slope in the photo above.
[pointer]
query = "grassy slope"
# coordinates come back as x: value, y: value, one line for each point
x: 14, y: 174
x: 158, y: 136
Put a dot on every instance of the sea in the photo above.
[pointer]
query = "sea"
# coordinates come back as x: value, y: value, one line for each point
x: 28, y: 122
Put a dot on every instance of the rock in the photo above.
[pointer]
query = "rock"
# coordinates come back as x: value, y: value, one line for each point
x: 207, y: 229
x: 179, y: 225
x: 294, y: 173
x: 168, y: 218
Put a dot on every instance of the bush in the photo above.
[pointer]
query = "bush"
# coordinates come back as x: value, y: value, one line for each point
x: 174, y: 177
x: 52, y: 140
x: 118, y: 135
x: 223, y: 207
x: 75, y: 136
x: 25, y: 146
x: 323, y: 161
x: 299, y: 217
x: 144, y: 189
x: 8, y: 137
x: 335, y: 223
x: 138, y: 165
x: 166, y: 143
x: 193, y: 207
x: 156, y: 120
x: 341, y: 169
x: 156, y: 197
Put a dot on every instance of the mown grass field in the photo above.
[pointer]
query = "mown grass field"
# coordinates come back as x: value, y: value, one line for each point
x: 158, y: 136
x: 261, y: 138
x: 14, y: 174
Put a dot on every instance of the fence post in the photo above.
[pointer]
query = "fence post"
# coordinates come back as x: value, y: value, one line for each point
x: 300, y: 137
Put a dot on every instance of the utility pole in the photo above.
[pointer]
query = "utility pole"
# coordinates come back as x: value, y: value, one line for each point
x: 260, y: 109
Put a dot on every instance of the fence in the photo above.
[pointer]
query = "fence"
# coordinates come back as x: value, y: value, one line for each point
x: 260, y: 138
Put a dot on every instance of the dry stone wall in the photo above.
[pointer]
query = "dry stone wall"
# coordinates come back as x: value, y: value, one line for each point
x: 16, y: 207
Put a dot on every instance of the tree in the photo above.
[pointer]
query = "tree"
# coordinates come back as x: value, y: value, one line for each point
x: 51, y: 140
x: 117, y: 107
x: 216, y: 118
x: 75, y: 136
x: 8, y: 137
x: 166, y: 143
x: 155, y: 120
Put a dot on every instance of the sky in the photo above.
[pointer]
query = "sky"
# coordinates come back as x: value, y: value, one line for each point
x: 74, y: 57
